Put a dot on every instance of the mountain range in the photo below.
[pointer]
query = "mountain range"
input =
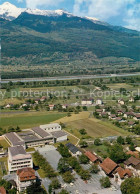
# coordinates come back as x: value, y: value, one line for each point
x: 44, y: 37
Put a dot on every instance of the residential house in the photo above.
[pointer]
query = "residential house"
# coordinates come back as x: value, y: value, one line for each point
x: 86, y: 102
x: 108, y: 166
x: 43, y: 98
x: 112, y: 117
x: 128, y: 115
x: 133, y: 153
x: 92, y: 157
x: 25, y: 177
x: 99, y: 102
x: 51, y: 107
x: 131, y: 124
x: 133, y: 163
x: 120, y: 174
x: 18, y: 158
x: 137, y: 117
x: 73, y: 149
x: 121, y: 102
x: 131, y: 99
x: 119, y: 119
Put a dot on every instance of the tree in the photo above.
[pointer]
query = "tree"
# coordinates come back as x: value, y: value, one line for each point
x: 128, y: 140
x: 35, y: 187
x: 63, y: 150
x: 84, y: 108
x: 62, y: 165
x: 94, y: 169
x: 116, y: 153
x: 55, y: 184
x: 84, y: 174
x: 97, y: 142
x: 83, y: 144
x: 82, y: 132
x: 67, y: 177
x: 63, y: 191
x: 132, y: 146
x: 105, y: 182
x: 131, y: 186
x: 120, y: 140
x: 83, y: 159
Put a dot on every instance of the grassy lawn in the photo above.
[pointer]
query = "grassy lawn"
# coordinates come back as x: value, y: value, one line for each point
x: 4, y: 143
x: 3, y: 166
x: 30, y: 149
x: 40, y: 171
x: 28, y: 120
x: 100, y: 150
x: 95, y: 128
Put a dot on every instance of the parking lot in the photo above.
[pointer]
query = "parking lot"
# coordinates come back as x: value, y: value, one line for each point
x: 51, y: 155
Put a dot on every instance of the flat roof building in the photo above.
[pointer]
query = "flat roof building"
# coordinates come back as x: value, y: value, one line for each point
x: 18, y: 158
x: 51, y: 127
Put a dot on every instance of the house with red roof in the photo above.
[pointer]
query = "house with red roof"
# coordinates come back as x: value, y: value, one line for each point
x: 108, y: 166
x: 92, y: 157
x: 25, y: 177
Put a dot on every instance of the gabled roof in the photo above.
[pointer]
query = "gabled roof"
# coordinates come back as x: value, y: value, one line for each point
x: 72, y: 148
x: 92, y: 157
x: 108, y: 165
x: 42, y: 133
x: 26, y: 174
x: 123, y: 172
x: 132, y: 161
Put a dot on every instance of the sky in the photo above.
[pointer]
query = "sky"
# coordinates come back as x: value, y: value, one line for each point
x: 116, y: 12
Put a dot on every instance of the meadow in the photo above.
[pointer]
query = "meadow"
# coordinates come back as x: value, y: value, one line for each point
x: 29, y: 119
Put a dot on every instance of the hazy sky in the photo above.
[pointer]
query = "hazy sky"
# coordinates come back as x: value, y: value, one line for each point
x: 117, y: 12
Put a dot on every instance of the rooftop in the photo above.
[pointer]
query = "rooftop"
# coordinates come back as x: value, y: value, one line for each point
x: 91, y: 156
x: 26, y: 174
x: 50, y: 125
x: 133, y: 161
x: 14, y: 139
x: 108, y: 165
x: 18, y: 152
x: 58, y: 134
x: 72, y: 148
x: 123, y: 172
x: 41, y: 132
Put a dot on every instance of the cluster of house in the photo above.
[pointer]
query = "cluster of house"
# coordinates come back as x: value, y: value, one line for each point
x: 120, y: 115
x: 112, y: 169
x: 19, y: 160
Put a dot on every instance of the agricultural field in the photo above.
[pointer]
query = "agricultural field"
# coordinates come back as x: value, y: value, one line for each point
x: 29, y: 119
x: 94, y: 127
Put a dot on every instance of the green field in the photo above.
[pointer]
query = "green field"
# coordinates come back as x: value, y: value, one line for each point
x: 4, y: 143
x: 28, y: 120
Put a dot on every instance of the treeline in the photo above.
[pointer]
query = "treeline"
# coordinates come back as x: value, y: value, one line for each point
x: 44, y: 165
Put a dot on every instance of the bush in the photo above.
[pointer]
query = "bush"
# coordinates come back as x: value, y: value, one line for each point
x: 94, y: 169
x: 67, y: 177
x: 105, y: 182
x: 97, y: 142
x: 83, y: 159
x: 82, y: 132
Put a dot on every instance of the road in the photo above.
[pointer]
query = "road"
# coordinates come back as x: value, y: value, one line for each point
x: 68, y: 77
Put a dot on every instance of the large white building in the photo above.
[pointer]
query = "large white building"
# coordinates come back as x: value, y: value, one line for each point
x: 18, y: 158
x: 51, y: 127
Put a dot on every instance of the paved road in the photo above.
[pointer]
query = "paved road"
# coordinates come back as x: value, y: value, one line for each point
x: 68, y: 78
